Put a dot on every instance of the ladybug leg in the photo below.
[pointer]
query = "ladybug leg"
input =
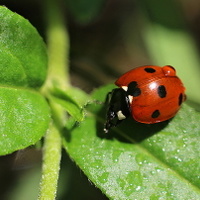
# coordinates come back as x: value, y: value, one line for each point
x: 118, y: 108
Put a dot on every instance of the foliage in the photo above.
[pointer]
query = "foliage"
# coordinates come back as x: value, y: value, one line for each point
x: 136, y: 160
x: 133, y: 161
x: 25, y: 114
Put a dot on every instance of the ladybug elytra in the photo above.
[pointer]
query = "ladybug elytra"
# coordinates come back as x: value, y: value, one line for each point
x: 150, y: 94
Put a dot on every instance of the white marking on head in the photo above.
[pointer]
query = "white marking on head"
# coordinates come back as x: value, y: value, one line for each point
x: 130, y: 98
x: 120, y: 115
x: 125, y: 88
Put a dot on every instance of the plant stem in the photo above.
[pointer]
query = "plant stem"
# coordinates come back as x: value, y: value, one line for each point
x: 58, y: 47
x: 58, y: 50
x: 51, y: 164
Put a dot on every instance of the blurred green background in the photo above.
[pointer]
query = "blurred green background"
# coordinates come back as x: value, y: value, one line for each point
x: 107, y: 38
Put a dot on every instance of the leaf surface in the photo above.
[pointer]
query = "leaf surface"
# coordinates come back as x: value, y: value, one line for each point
x: 72, y: 100
x: 23, y: 58
x: 24, y: 118
x: 24, y: 113
x: 138, y: 161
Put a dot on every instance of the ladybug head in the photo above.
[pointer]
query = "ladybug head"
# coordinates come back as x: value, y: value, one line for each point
x: 118, y: 108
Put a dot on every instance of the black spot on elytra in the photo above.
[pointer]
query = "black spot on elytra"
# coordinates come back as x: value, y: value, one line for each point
x: 155, y: 114
x: 162, y: 91
x: 180, y: 99
x: 133, y: 89
x: 149, y: 70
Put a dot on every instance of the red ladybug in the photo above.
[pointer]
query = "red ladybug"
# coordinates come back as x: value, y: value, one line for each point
x: 150, y: 94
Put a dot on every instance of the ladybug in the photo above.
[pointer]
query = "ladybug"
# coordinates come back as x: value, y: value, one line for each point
x: 150, y: 94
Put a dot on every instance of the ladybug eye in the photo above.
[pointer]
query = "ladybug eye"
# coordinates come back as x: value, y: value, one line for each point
x: 168, y: 70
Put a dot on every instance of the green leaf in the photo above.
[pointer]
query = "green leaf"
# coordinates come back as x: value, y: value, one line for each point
x: 71, y: 107
x: 24, y: 118
x: 138, y: 161
x: 23, y: 58
x: 73, y: 100
x: 85, y: 11
x: 25, y: 114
